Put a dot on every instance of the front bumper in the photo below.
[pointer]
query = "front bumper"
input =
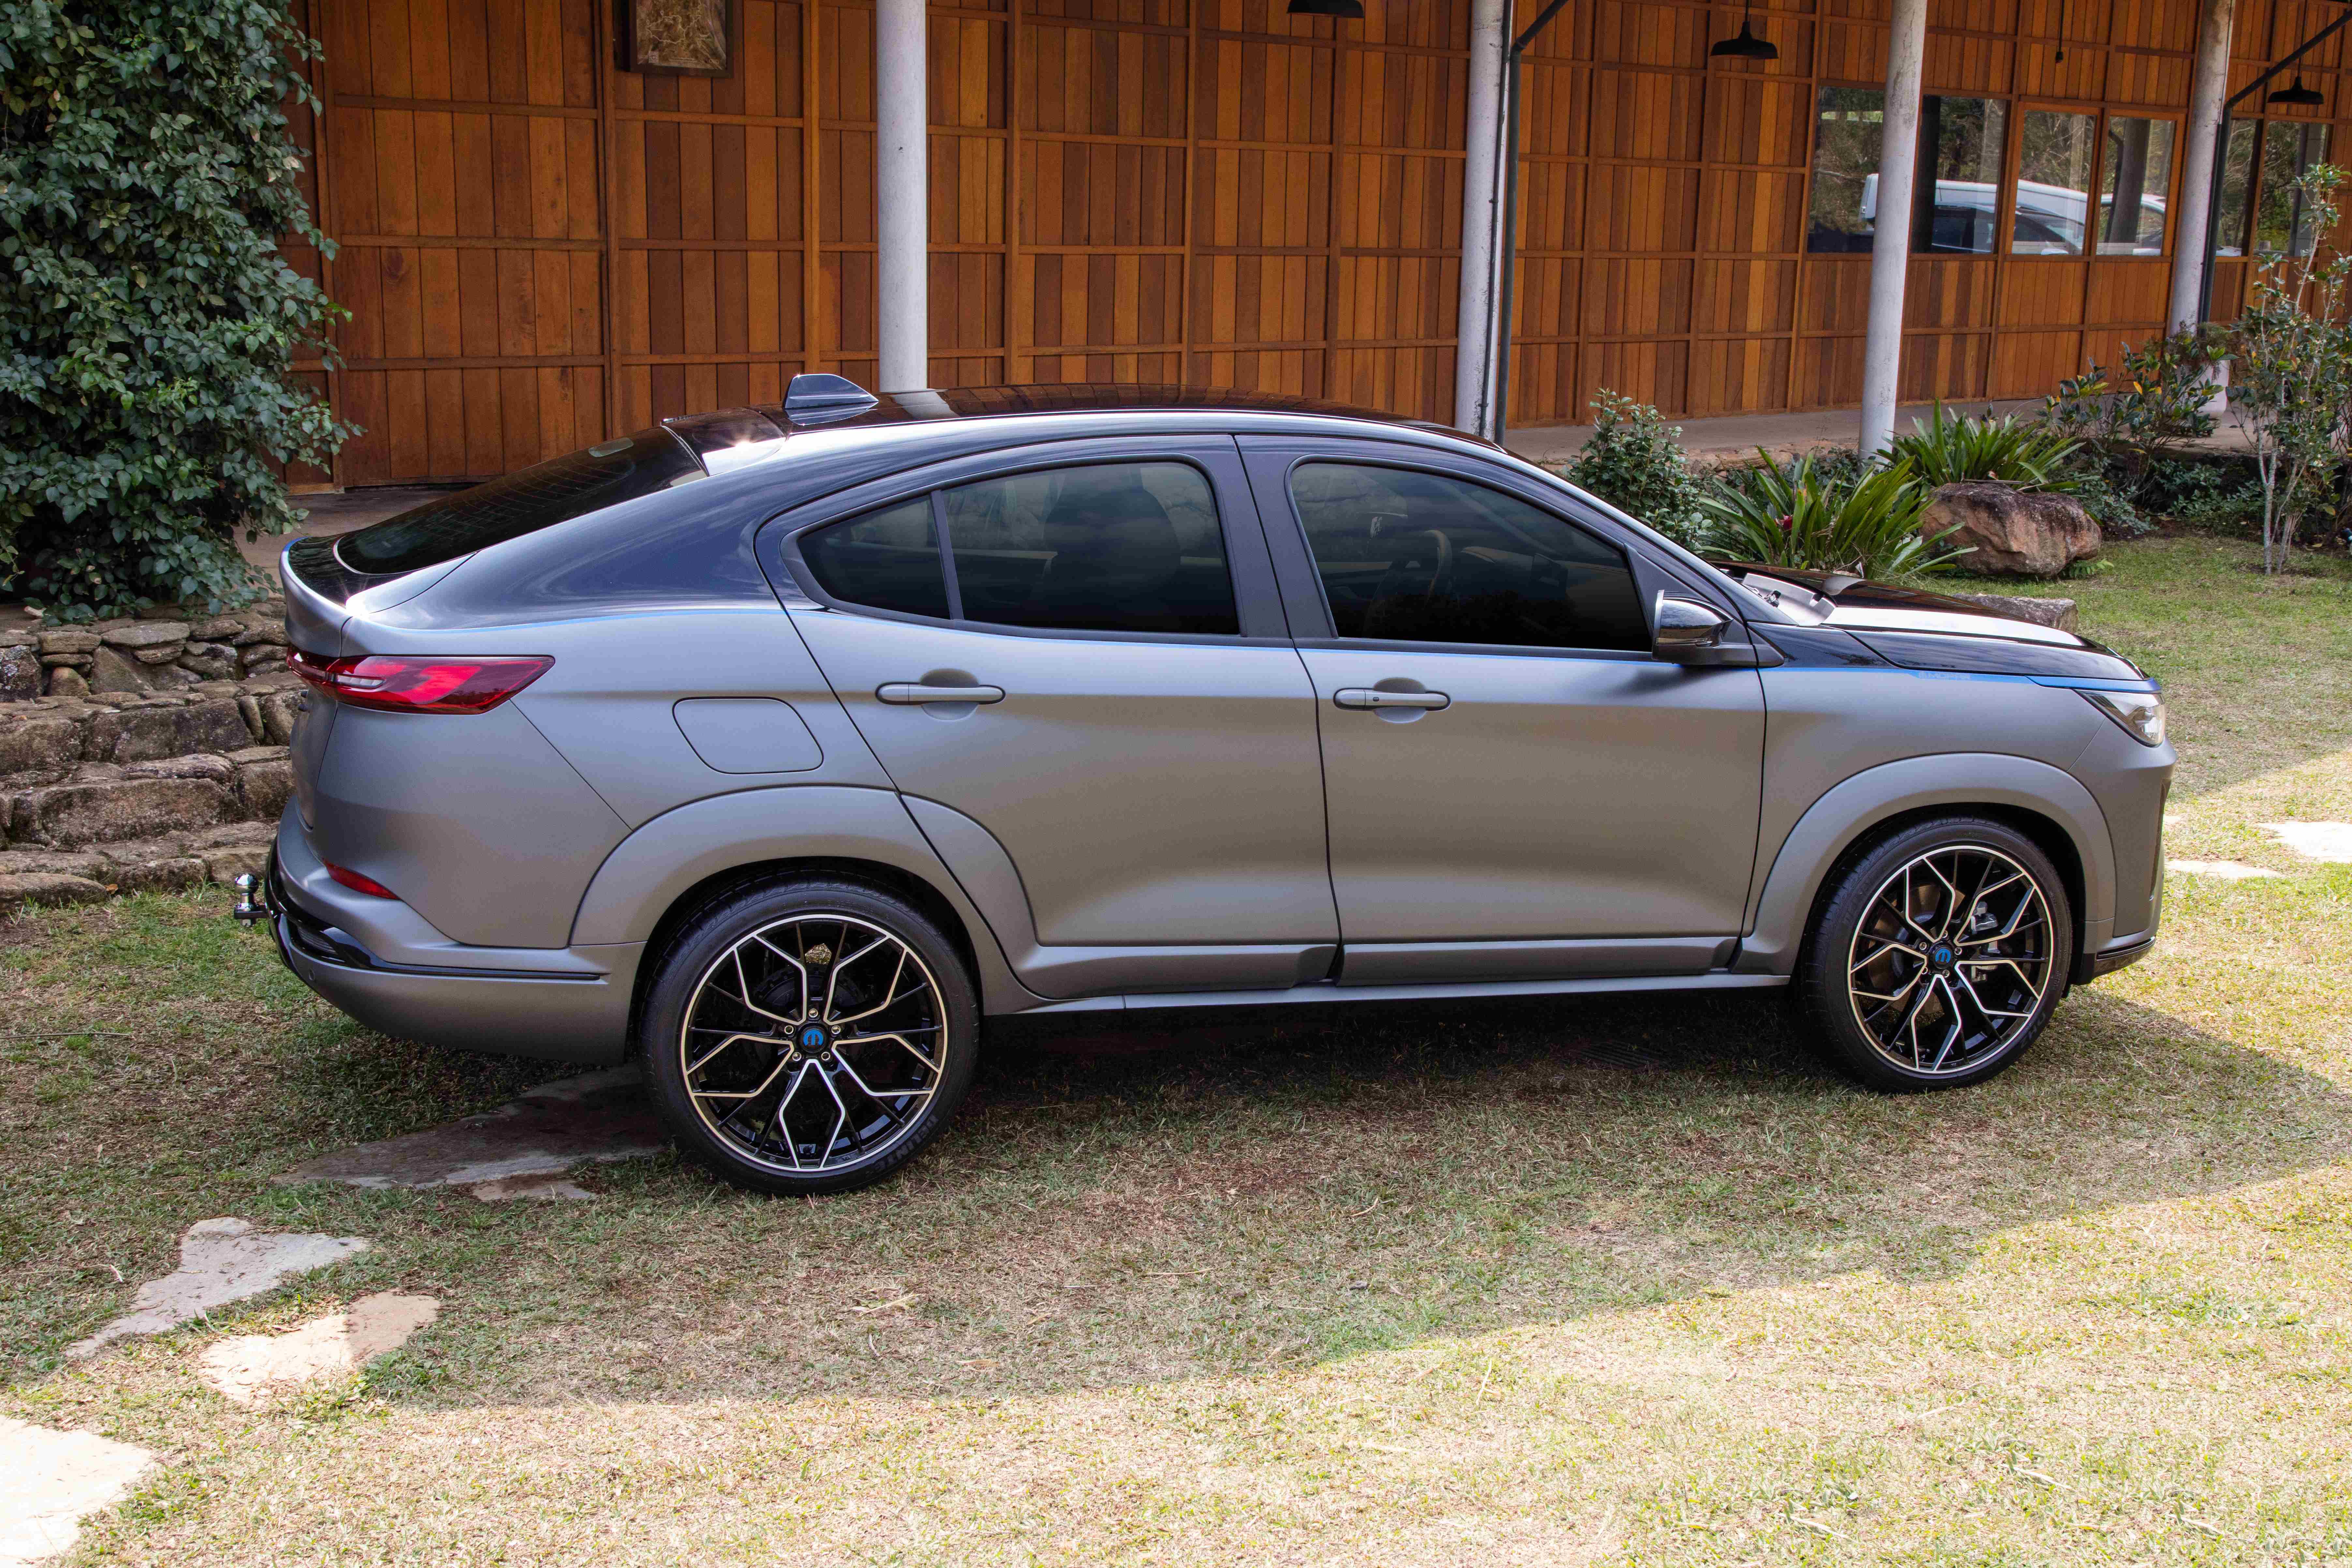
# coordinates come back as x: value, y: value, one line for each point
x: 580, y: 1016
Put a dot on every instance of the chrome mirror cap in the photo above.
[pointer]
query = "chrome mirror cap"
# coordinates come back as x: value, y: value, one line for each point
x: 1686, y: 627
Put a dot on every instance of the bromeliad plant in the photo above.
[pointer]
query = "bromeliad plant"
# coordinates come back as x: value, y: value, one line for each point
x: 1866, y: 523
x: 147, y: 320
x: 2293, y: 372
x: 1956, y: 449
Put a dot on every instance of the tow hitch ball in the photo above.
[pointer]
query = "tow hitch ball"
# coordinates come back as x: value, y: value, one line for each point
x: 252, y: 901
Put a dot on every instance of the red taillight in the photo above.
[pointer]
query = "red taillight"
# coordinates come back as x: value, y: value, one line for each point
x: 419, y: 683
x: 357, y: 883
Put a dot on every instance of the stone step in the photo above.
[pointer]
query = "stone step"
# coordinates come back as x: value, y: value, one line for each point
x: 105, y: 803
x: 175, y: 861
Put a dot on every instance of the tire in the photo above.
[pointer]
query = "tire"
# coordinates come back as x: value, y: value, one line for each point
x: 1936, y: 957
x: 808, y: 1037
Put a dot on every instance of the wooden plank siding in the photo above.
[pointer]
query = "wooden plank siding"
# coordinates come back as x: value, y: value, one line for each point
x: 538, y: 249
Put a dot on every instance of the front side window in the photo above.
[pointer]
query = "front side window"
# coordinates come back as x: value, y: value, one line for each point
x: 2134, y: 180
x: 1408, y: 556
x: 2055, y: 151
x: 1107, y: 547
x: 1961, y: 140
x: 1845, y: 208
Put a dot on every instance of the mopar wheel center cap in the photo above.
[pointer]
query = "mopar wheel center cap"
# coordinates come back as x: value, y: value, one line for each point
x: 813, y: 1038
x: 1941, y: 957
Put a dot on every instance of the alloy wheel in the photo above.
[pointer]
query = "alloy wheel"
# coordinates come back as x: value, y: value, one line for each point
x: 814, y: 1044
x: 1952, y: 960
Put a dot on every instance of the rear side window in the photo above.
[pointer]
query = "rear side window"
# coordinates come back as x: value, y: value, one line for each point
x: 1408, y: 556
x: 1107, y: 547
x: 888, y: 559
x: 522, y: 502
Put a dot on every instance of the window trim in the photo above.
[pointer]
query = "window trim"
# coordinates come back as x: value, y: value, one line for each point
x: 1327, y: 636
x: 1256, y: 601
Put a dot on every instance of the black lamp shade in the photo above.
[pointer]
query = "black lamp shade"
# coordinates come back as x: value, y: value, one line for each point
x: 1745, y: 47
x: 1351, y: 9
x: 2298, y: 95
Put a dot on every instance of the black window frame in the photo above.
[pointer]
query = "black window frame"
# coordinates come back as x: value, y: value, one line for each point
x: 1257, y: 601
x: 1309, y: 605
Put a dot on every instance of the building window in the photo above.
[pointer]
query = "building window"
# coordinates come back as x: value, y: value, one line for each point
x: 2133, y: 185
x: 1961, y: 140
x: 2237, y: 187
x: 1845, y: 170
x: 2054, y: 156
x: 2282, y: 217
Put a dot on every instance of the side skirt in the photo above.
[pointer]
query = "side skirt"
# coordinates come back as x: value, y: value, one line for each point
x: 1325, y: 992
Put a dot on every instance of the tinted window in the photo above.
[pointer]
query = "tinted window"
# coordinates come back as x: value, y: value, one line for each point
x: 1416, y: 557
x: 531, y: 498
x: 1113, y: 547
x: 888, y: 559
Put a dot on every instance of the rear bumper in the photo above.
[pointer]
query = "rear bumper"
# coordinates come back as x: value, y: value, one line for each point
x: 2109, y: 959
x: 580, y: 1013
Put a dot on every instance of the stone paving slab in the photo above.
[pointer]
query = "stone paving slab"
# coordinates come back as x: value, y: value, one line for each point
x: 2326, y: 841
x: 221, y: 1261
x: 2220, y: 870
x: 50, y: 1480
x: 255, y: 1369
x: 596, y: 1117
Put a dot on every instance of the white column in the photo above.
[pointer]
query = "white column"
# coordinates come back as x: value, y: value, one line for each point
x: 1890, y: 249
x: 2209, y: 89
x: 1474, y: 365
x: 901, y: 196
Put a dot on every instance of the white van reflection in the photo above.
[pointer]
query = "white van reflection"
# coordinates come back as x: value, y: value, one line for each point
x: 2049, y: 220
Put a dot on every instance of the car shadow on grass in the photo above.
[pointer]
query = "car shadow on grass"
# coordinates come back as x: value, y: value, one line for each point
x: 1197, y: 1193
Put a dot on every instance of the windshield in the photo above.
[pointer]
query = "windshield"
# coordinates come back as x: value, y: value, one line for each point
x: 522, y: 502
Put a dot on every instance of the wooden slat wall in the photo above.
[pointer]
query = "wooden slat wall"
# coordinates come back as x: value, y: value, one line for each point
x: 539, y: 249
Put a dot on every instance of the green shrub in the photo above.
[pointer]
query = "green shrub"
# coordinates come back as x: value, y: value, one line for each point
x: 147, y: 320
x: 2217, y: 494
x: 1635, y: 462
x: 1866, y: 522
x: 2142, y: 412
x: 1954, y: 448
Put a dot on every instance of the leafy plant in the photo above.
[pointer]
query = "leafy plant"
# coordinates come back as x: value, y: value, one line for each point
x: 2215, y: 494
x: 1957, y: 449
x: 2143, y: 411
x: 1635, y: 462
x: 147, y: 320
x: 2293, y: 372
x: 1797, y: 516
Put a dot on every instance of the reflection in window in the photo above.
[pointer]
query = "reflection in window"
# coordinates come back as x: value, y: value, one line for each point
x: 2133, y: 185
x: 1408, y: 556
x: 888, y: 559
x: 1845, y: 169
x: 2054, y: 183
x: 2282, y: 218
x: 2237, y: 185
x: 1960, y: 147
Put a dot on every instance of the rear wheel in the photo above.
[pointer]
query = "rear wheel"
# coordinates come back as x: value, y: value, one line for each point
x: 1937, y: 956
x: 809, y: 1036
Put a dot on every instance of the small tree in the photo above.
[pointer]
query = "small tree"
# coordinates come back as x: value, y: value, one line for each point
x: 2293, y: 372
x: 147, y: 320
x: 1635, y: 462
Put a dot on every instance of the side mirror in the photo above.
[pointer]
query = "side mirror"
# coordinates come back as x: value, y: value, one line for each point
x: 1689, y: 632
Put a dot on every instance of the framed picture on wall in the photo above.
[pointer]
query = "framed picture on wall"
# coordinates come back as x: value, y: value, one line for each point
x: 677, y: 37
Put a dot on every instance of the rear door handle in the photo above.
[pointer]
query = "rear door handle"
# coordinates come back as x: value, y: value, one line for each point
x: 907, y: 692
x: 1367, y: 696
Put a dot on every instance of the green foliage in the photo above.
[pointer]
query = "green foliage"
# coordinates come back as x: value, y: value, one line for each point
x: 2213, y: 494
x: 2142, y: 412
x: 2292, y: 373
x: 1635, y: 462
x: 1956, y: 449
x: 147, y: 320
x: 1865, y: 521
x: 2108, y: 505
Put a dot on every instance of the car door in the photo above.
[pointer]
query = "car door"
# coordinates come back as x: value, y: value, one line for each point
x: 1515, y: 786
x: 1090, y: 689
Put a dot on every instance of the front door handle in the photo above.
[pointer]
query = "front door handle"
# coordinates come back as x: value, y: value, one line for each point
x: 1370, y: 697
x: 907, y: 692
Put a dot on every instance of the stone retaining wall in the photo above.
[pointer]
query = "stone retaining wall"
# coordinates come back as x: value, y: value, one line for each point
x: 141, y: 754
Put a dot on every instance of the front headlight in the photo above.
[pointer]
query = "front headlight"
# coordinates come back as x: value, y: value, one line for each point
x: 2141, y: 713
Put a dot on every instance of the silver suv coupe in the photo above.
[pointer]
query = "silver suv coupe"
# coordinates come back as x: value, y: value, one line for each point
x: 782, y: 746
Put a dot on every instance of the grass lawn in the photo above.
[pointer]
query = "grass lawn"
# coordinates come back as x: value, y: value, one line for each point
x: 1595, y: 1281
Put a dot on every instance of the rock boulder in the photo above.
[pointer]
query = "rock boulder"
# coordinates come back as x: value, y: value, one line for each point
x: 2011, y: 533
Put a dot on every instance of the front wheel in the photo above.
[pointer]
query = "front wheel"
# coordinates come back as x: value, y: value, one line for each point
x: 809, y: 1036
x: 1937, y: 957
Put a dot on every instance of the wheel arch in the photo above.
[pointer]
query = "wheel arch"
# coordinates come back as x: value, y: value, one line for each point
x: 654, y: 879
x: 2046, y: 803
